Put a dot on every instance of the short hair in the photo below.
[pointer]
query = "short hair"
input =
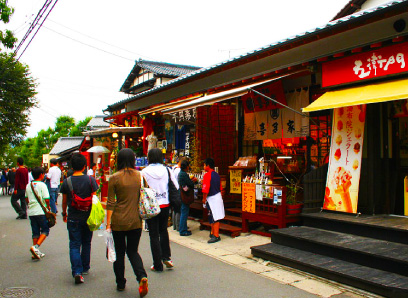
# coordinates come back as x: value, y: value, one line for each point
x: 209, y: 162
x: 155, y: 155
x: 184, y: 164
x: 78, y: 161
x: 53, y: 161
x: 20, y: 161
x: 93, y: 164
x: 36, y: 172
x: 126, y: 159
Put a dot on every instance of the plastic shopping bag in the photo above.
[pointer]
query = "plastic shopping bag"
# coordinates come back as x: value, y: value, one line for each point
x: 97, y: 215
x: 110, y: 247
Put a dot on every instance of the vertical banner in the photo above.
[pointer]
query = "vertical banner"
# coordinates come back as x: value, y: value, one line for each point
x: 235, y: 181
x: 248, y: 197
x: 343, y: 178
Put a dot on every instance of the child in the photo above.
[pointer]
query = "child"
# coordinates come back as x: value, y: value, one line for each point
x: 39, y: 224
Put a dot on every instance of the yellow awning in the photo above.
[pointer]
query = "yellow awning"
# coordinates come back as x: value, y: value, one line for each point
x: 374, y: 93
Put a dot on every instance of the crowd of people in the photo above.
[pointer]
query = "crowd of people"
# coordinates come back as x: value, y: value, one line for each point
x: 38, y: 189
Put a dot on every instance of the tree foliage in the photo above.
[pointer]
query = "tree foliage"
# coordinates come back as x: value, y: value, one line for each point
x: 32, y: 149
x: 17, y: 96
x: 6, y: 37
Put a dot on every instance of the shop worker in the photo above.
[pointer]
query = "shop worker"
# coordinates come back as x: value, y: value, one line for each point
x: 212, y: 199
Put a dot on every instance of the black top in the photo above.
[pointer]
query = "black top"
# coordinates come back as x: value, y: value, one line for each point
x: 11, y: 177
x: 82, y: 188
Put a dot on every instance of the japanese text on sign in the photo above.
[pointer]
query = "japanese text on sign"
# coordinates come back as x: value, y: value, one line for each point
x: 248, y: 197
x: 377, y: 63
x: 235, y: 181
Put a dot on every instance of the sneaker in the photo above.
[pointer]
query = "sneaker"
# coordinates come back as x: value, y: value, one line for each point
x: 154, y: 269
x: 188, y: 233
x: 42, y: 255
x: 169, y: 263
x: 35, y: 252
x: 79, y: 279
x: 143, y: 287
x: 211, y: 236
x: 214, y: 239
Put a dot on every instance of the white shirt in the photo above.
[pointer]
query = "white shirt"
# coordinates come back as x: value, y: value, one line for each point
x: 41, y: 189
x: 90, y: 172
x: 54, y: 174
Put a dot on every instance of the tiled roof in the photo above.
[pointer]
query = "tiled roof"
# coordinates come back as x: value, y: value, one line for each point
x: 66, y: 143
x: 97, y: 122
x: 351, y: 7
x: 329, y: 26
x: 158, y: 68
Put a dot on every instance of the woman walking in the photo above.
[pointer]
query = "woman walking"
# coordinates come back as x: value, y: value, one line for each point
x: 124, y: 220
x: 157, y: 176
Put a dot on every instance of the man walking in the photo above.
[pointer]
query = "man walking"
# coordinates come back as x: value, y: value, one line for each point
x: 12, y: 179
x: 20, y: 185
x: 54, y: 175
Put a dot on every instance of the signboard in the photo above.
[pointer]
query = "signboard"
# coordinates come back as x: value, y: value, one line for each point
x: 253, y: 102
x: 368, y: 65
x: 248, y: 197
x: 235, y: 181
x: 343, y: 178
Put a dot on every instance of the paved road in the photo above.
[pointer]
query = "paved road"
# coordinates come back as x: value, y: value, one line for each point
x: 195, y: 274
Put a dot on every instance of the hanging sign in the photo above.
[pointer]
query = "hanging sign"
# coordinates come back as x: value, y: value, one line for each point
x: 254, y: 102
x: 235, y: 181
x: 185, y: 115
x: 248, y: 197
x: 373, y: 64
x: 343, y: 177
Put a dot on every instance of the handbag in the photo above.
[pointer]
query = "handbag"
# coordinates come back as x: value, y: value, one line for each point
x: 50, y: 216
x: 174, y: 194
x: 148, y: 205
x: 97, y: 215
x: 187, y: 197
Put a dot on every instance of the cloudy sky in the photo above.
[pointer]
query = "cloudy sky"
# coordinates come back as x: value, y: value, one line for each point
x: 85, y: 49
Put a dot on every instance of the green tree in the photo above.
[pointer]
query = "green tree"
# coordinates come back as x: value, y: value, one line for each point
x: 77, y: 130
x: 6, y: 37
x: 17, y: 96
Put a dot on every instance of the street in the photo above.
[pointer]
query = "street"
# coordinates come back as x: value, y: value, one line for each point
x: 194, y: 275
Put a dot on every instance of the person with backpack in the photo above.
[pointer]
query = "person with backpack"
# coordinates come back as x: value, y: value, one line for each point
x: 77, y: 191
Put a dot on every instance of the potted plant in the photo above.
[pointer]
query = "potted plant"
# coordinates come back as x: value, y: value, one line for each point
x: 293, y: 204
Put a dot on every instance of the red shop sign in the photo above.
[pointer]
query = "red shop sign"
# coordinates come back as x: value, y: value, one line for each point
x: 364, y: 66
x: 253, y: 102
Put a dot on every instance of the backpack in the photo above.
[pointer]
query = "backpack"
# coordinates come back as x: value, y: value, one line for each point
x: 81, y: 204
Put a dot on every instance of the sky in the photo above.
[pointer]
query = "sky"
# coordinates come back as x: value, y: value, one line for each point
x: 86, y: 49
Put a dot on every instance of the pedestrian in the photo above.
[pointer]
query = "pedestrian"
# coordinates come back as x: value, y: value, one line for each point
x: 3, y: 182
x: 11, y: 178
x: 176, y: 212
x: 80, y: 236
x: 185, y: 183
x: 157, y: 177
x: 212, y: 199
x: 39, y: 223
x: 125, y: 224
x: 54, y: 175
x: 92, y: 170
x: 20, y: 184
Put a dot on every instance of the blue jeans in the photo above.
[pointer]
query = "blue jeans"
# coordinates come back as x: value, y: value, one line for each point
x: 53, y: 199
x: 79, y: 246
x: 183, y: 218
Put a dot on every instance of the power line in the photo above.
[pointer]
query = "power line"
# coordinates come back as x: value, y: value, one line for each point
x: 91, y: 46
x: 137, y: 54
x: 33, y: 24
x: 38, y: 29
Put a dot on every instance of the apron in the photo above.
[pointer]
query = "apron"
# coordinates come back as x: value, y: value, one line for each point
x: 217, y: 206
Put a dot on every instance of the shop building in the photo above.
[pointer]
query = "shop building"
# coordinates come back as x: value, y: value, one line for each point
x: 353, y: 67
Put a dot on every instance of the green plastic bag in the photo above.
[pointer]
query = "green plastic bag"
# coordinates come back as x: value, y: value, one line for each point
x: 97, y: 215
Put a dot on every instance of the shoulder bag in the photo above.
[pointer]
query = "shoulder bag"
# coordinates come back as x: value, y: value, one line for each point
x: 148, y: 205
x: 174, y: 194
x: 81, y: 204
x: 187, y: 197
x: 51, y: 217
